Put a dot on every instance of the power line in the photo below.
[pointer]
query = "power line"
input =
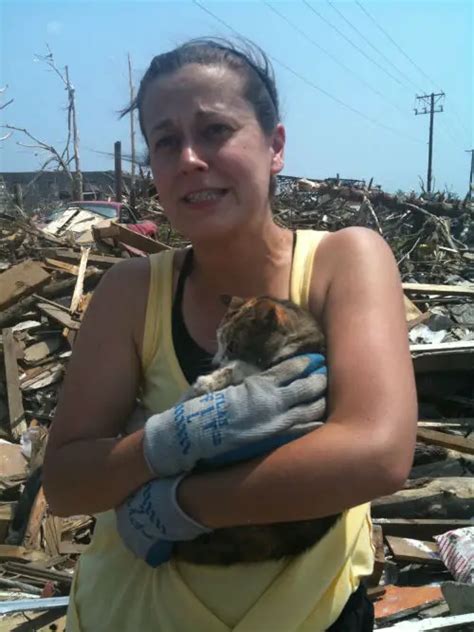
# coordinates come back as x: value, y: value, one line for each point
x: 420, y: 70
x: 354, y: 28
x: 331, y: 56
x: 395, y: 43
x: 361, y: 51
x: 308, y: 81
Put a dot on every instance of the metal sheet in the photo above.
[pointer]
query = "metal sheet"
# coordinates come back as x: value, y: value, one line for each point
x: 30, y: 605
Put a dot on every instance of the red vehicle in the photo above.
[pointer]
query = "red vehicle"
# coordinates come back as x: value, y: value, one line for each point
x: 117, y: 211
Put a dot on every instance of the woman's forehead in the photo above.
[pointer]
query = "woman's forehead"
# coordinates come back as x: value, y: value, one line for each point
x: 195, y: 89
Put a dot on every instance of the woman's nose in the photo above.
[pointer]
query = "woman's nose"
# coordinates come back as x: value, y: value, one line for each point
x: 191, y: 159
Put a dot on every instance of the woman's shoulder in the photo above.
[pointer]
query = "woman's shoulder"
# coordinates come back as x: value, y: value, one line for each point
x: 347, y: 242
x: 355, y: 251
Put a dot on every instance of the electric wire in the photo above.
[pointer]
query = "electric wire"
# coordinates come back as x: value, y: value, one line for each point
x: 309, y: 82
x: 356, y: 46
x: 354, y: 28
x: 335, y: 59
x: 396, y: 45
x: 399, y: 48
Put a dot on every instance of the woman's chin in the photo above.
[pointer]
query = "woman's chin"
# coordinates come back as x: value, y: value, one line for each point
x: 210, y: 228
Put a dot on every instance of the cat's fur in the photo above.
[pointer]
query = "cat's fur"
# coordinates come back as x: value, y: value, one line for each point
x: 254, y: 335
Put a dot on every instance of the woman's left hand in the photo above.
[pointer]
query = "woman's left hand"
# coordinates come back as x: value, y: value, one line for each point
x: 150, y: 520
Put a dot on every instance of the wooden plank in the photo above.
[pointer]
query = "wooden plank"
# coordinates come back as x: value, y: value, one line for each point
x: 20, y: 281
x: 458, y: 345
x: 72, y: 548
x: 448, y: 467
x: 453, y: 442
x: 399, y: 602
x: 69, y: 255
x: 440, y: 290
x: 446, y: 356
x: 60, y: 315
x: 62, y: 266
x: 32, y: 535
x: 52, y: 535
x: 416, y: 551
x: 129, y: 238
x: 452, y: 422
x: 8, y: 552
x: 420, y: 528
x: 379, y: 560
x: 12, y: 462
x: 7, y: 511
x: 78, y: 290
x: 412, y: 312
x: 16, y: 411
x: 449, y: 497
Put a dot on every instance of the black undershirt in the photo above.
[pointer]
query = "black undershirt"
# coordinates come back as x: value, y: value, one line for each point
x: 193, y: 359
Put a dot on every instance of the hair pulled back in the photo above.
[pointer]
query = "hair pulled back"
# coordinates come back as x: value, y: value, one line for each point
x: 247, y: 60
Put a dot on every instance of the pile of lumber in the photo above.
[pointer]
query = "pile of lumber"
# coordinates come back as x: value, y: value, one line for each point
x: 45, y: 286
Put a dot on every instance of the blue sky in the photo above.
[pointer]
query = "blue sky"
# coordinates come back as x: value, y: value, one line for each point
x: 325, y: 137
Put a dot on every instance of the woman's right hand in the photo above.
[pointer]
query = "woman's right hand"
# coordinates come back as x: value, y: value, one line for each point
x: 266, y: 405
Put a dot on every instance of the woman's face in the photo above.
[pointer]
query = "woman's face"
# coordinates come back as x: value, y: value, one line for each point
x: 210, y: 159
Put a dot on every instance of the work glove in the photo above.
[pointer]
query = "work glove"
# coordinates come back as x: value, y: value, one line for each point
x: 262, y: 406
x: 150, y: 520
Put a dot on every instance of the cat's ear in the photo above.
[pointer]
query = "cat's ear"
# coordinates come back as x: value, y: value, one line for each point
x: 271, y: 313
x: 232, y: 302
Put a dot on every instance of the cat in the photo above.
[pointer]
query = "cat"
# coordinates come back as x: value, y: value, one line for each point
x: 254, y: 335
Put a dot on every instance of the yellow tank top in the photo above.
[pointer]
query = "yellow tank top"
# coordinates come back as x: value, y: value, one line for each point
x: 114, y: 591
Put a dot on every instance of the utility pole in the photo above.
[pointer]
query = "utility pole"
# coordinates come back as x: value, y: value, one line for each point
x: 78, y: 183
x: 132, y: 134
x: 118, y: 170
x: 471, y: 176
x: 430, y: 101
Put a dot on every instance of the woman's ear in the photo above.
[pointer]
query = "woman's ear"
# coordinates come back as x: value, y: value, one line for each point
x: 278, y: 147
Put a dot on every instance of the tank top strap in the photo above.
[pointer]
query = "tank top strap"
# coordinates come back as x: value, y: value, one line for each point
x: 159, y: 303
x: 307, y: 242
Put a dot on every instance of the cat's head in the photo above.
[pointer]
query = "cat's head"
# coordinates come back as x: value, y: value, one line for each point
x: 263, y: 331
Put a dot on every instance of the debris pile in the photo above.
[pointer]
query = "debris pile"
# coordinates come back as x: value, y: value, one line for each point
x: 423, y: 534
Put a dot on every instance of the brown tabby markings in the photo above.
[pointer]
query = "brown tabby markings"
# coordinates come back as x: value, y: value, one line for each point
x: 254, y: 335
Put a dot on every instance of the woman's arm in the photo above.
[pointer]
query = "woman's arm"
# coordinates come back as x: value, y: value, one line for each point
x: 87, y: 469
x: 365, y: 449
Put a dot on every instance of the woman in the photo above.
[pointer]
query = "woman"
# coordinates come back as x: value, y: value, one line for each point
x: 209, y: 115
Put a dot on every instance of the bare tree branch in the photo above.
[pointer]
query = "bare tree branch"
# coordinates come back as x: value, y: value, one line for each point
x: 39, y: 144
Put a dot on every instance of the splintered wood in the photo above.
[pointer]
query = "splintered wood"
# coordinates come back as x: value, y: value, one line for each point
x: 15, y: 402
x: 21, y: 280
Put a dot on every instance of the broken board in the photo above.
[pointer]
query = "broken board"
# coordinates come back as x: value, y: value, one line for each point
x: 15, y: 401
x: 414, y: 551
x: 21, y: 280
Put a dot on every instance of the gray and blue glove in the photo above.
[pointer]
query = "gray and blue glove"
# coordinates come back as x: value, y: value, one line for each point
x: 281, y: 400
x: 150, y: 520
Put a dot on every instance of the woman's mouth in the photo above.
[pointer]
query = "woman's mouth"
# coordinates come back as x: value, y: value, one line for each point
x: 204, y: 195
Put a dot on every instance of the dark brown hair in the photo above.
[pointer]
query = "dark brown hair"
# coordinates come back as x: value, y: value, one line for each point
x: 248, y: 60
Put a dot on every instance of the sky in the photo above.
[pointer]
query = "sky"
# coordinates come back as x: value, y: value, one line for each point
x: 348, y: 74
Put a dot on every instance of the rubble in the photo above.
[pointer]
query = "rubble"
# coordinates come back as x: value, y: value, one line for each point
x: 46, y: 282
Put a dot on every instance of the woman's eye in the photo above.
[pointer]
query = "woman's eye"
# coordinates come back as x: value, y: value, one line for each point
x: 218, y: 129
x: 165, y: 142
